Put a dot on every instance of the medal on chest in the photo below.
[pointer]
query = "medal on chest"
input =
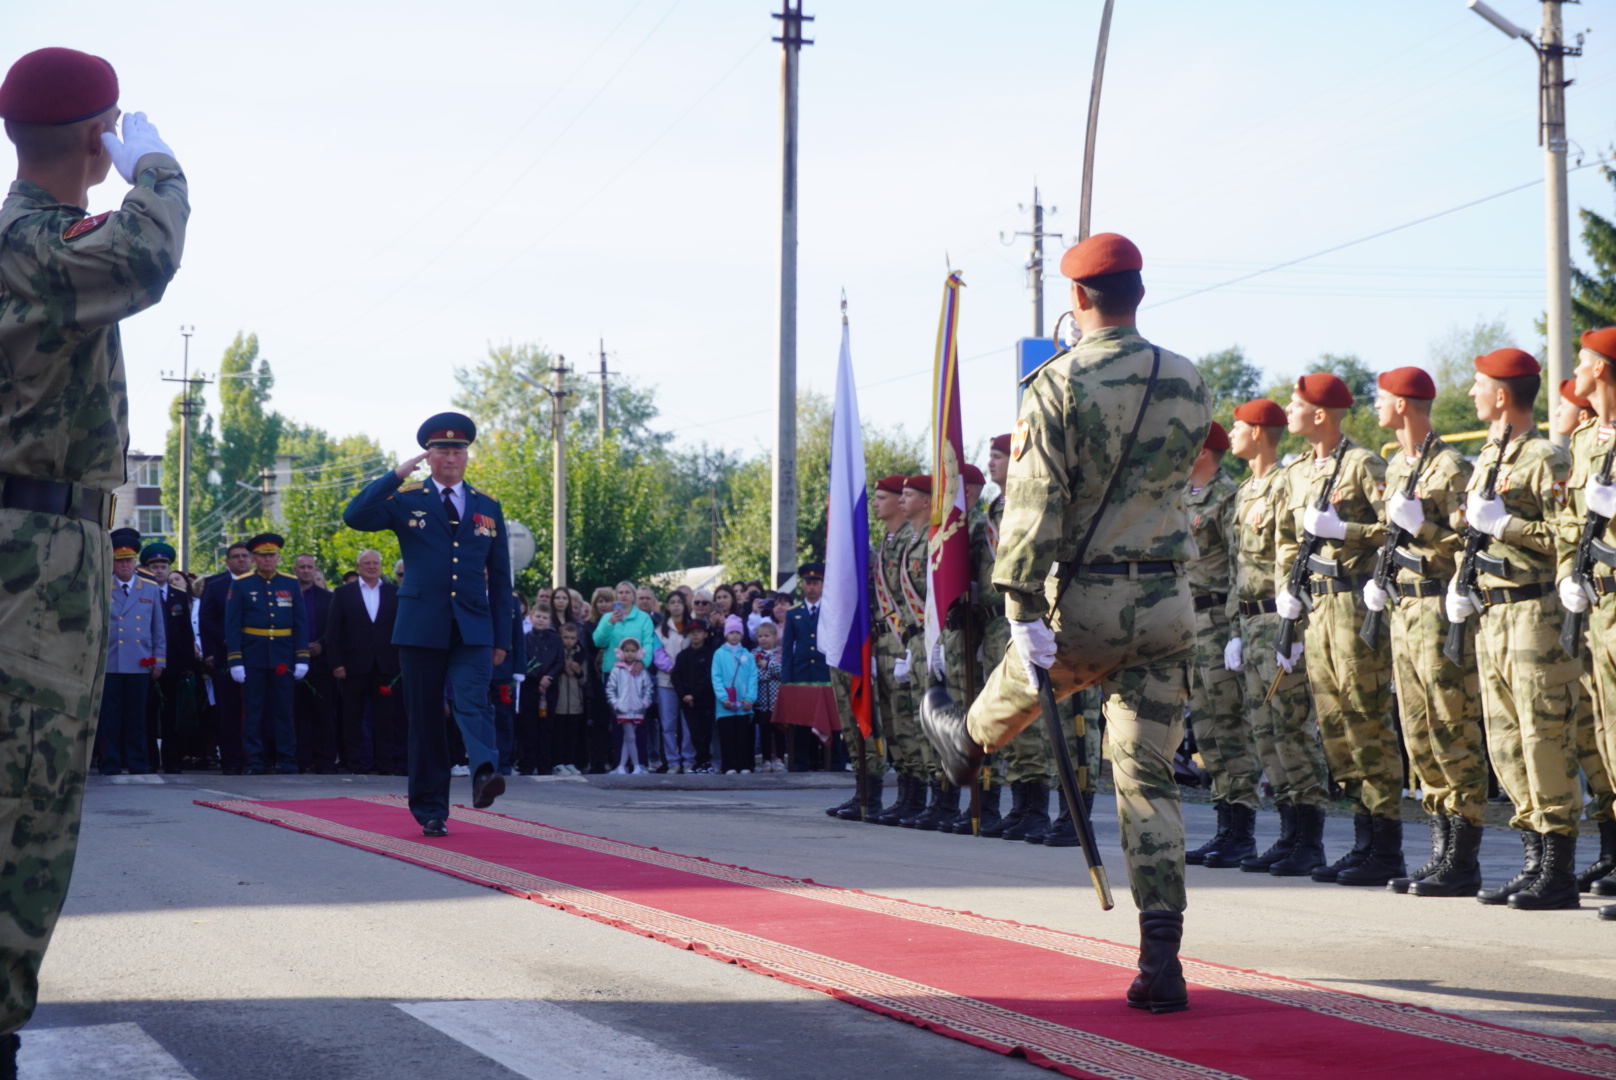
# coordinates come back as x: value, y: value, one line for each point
x: 483, y: 525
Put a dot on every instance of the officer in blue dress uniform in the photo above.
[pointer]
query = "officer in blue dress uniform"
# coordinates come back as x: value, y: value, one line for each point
x: 267, y: 648
x: 136, y: 654
x: 454, y: 610
x: 800, y: 658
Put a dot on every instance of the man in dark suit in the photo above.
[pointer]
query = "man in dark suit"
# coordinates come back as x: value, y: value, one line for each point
x: 800, y: 658
x: 364, y: 660
x: 315, y: 702
x: 171, y: 705
x: 454, y: 615
x: 226, y: 691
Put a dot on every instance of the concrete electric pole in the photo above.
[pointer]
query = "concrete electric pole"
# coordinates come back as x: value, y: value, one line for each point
x: 189, y: 406
x: 558, y: 393
x: 1035, y: 263
x: 603, y: 374
x: 783, y: 560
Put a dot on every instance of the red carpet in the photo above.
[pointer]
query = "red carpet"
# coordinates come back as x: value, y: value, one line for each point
x: 1054, y: 997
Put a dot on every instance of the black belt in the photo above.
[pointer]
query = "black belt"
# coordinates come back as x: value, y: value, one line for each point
x: 1249, y: 608
x: 1514, y: 595
x: 1327, y: 586
x: 1121, y: 568
x: 1604, y: 586
x: 1211, y: 600
x: 50, y: 497
x: 1428, y: 587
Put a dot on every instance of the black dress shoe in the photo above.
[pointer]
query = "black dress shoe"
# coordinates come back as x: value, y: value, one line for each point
x: 435, y: 827
x: 486, y: 786
x: 943, y: 721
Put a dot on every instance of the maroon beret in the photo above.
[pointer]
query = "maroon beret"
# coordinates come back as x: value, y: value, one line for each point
x: 1102, y: 253
x: 921, y: 484
x: 972, y: 475
x: 1602, y: 342
x: 892, y: 485
x: 1261, y: 412
x: 1001, y: 443
x: 57, y: 86
x: 1217, y: 438
x: 1508, y: 364
x: 1409, y: 382
x: 1569, y: 392
x: 1324, y: 390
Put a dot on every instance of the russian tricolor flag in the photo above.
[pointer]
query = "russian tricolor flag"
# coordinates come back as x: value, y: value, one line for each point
x: 844, y: 612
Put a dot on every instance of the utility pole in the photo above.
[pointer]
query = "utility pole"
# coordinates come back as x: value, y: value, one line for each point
x: 1035, y: 263
x: 603, y: 374
x: 558, y: 392
x: 1094, y: 123
x: 783, y: 561
x: 189, y: 406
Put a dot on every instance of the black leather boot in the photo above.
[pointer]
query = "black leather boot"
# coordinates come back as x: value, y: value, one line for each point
x: 1556, y: 884
x: 987, y: 807
x: 1259, y: 864
x: 1440, y: 829
x: 1363, y: 836
x: 1533, y: 844
x: 1385, y: 858
x: 904, y: 806
x: 928, y: 805
x: 841, y: 807
x: 1034, y: 813
x: 1214, y: 845
x: 872, y: 799
x: 1460, y: 872
x: 1605, y: 886
x: 9, y: 1044
x: 1159, y: 986
x: 944, y: 805
x: 943, y: 720
x: 1063, y: 831
x: 1608, y: 913
x: 1241, y: 841
x: 1307, y: 852
x: 1606, y: 863
x: 1018, y: 803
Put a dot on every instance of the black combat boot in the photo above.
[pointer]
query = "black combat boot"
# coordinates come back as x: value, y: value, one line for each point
x: 1018, y: 804
x: 841, y: 807
x: 904, y: 806
x: 9, y: 1045
x: 1159, y: 986
x: 943, y: 721
x: 943, y: 810
x: 987, y: 806
x: 1034, y: 813
x: 1608, y: 913
x: 1440, y: 830
x: 1214, y: 845
x: 872, y: 801
x: 1556, y: 883
x: 1307, y: 850
x: 1259, y: 864
x: 1063, y: 831
x: 1533, y: 844
x: 1385, y: 858
x: 1606, y: 863
x: 927, y: 801
x: 1460, y: 872
x: 1363, y: 836
x: 1241, y: 841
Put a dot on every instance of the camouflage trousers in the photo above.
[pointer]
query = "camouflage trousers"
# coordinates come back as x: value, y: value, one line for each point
x: 1529, y: 692
x: 1217, y: 717
x: 1601, y: 664
x: 1589, y: 759
x: 875, y: 762
x: 1440, y: 704
x: 900, y: 722
x: 1352, y: 691
x: 1135, y: 641
x: 44, y: 756
x: 1286, y: 737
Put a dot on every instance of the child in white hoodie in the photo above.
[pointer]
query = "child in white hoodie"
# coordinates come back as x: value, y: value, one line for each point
x: 629, y: 690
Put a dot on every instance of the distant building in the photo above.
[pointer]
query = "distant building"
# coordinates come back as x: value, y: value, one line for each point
x: 140, y: 499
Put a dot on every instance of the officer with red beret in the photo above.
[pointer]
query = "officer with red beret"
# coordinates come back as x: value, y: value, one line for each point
x: 891, y: 619
x: 66, y: 279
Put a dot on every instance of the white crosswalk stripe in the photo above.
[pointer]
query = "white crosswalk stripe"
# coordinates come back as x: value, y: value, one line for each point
x: 113, y: 1051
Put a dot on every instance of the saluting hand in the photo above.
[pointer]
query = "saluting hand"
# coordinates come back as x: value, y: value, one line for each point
x: 405, y: 468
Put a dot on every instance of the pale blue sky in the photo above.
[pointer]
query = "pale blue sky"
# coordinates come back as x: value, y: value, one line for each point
x: 382, y: 189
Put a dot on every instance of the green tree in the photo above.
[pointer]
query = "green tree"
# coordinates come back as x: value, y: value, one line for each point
x: 249, y: 433
x: 1593, y: 295
x: 1452, y: 362
x: 311, y: 506
x: 1232, y: 380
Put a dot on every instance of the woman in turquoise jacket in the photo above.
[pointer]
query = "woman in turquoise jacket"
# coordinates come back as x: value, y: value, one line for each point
x: 735, y: 686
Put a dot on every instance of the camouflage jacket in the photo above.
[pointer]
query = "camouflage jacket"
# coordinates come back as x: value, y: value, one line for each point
x: 1441, y: 492
x: 1357, y: 499
x: 888, y: 563
x: 1075, y: 415
x: 1537, y: 542
x: 1212, y: 524
x: 1589, y: 445
x: 1256, y: 520
x: 66, y: 279
x: 915, y: 558
x: 984, y: 552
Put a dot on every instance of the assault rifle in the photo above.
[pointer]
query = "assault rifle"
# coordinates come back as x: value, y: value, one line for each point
x: 1396, y: 536
x: 1302, y: 568
x: 1590, y: 549
x: 1476, y: 542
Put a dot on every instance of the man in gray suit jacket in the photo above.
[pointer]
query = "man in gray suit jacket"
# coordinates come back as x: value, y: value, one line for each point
x: 136, y: 655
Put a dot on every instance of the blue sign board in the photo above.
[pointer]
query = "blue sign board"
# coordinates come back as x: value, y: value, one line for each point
x: 1030, y: 353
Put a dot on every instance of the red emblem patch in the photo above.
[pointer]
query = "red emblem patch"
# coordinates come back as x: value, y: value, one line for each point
x: 85, y: 225
x: 1018, y: 439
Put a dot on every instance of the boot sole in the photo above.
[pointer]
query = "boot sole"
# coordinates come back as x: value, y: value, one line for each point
x: 1160, y: 1008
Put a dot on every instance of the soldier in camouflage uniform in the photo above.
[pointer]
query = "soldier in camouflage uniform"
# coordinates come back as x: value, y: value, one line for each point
x: 66, y: 279
x: 1591, y: 444
x: 1439, y: 701
x: 943, y: 807
x: 1351, y: 682
x: 905, y: 744
x: 1217, y: 715
x: 1120, y: 614
x: 972, y: 612
x: 1529, y: 685
x: 1282, y: 727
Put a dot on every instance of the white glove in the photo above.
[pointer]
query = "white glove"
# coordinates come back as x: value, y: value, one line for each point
x: 1459, y: 607
x: 1407, y: 514
x: 238, y: 673
x: 518, y: 678
x: 1289, y: 662
x: 139, y: 139
x: 936, y: 657
x: 1572, y: 596
x: 1601, y: 498
x: 1233, y: 656
x: 1374, y: 597
x: 1288, y: 606
x: 300, y: 670
x: 1324, y: 523
x: 1486, y: 515
x: 900, y: 669
x: 1035, y: 644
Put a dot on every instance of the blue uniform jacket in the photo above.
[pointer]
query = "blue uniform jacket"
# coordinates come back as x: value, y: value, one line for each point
x: 137, y: 630
x: 448, y: 573
x: 800, y: 658
x: 516, y: 658
x: 264, y: 622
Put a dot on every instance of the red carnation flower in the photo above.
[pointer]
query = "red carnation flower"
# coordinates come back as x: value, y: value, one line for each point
x: 280, y: 669
x: 148, y: 661
x: 385, y: 691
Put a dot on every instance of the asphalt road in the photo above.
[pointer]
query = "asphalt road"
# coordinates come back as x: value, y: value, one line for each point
x: 200, y: 944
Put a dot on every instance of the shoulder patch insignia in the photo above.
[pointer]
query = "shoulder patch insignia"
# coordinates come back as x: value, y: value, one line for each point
x: 413, y: 485
x: 1018, y: 440
x: 85, y: 225
x: 1561, y: 494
